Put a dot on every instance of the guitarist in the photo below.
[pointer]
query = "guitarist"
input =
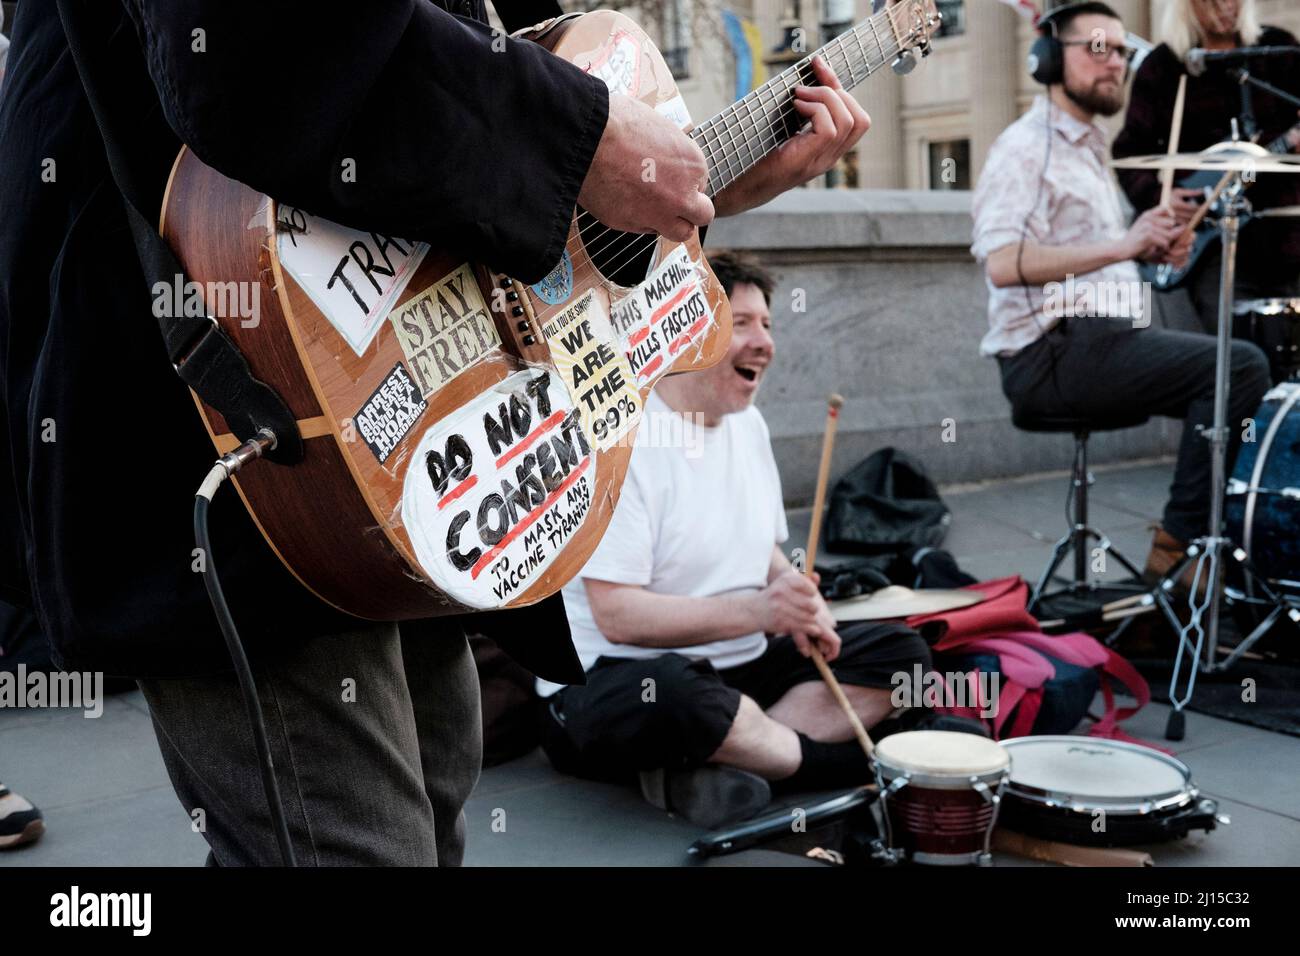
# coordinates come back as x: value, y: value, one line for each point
x: 1268, y: 253
x: 459, y: 138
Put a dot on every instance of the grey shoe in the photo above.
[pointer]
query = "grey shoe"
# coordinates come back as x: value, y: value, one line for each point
x: 710, y: 796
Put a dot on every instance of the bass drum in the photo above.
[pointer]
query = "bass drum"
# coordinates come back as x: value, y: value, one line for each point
x: 1262, y: 505
x: 1094, y: 792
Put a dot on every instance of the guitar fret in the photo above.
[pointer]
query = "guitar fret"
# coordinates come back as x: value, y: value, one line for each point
x: 857, y: 35
x: 839, y: 42
x: 755, y: 132
x: 879, y: 46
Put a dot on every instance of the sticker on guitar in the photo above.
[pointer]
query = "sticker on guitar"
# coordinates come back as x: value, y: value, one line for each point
x: 445, y: 329
x: 495, y: 492
x: 353, y: 277
x: 590, y: 359
x: 666, y: 314
x: 619, y: 65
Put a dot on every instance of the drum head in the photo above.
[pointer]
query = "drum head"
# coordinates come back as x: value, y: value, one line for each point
x: 941, y: 753
x: 1089, y: 773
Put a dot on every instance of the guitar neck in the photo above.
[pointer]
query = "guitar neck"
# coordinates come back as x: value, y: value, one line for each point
x: 749, y: 129
x: 1280, y: 145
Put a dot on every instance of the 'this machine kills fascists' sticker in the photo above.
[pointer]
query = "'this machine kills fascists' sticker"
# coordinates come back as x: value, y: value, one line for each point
x: 495, y: 492
x: 666, y: 314
x: 445, y: 329
x: 590, y: 359
x: 389, y: 413
x: 353, y: 277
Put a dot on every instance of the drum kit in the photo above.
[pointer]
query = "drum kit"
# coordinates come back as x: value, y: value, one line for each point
x: 939, y: 796
x: 1262, y: 497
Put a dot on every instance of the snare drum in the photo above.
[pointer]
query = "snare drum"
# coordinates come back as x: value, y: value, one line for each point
x: 1273, y: 325
x: 940, y: 792
x: 1094, y: 792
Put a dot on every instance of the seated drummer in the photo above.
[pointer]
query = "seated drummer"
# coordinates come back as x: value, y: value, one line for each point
x: 692, y: 624
x: 1047, y: 222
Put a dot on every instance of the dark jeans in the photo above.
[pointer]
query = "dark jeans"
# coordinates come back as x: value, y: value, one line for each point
x: 612, y: 726
x: 1098, y: 368
x: 376, y: 738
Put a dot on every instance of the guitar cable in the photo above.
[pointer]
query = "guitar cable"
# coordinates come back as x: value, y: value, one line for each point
x: 226, y: 466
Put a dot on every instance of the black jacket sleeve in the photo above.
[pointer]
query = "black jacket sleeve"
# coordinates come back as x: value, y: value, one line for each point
x: 392, y: 115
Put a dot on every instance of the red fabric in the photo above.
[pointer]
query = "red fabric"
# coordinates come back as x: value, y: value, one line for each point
x: 1000, y: 625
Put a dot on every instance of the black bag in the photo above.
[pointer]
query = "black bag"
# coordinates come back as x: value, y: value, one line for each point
x: 915, y: 568
x: 886, y: 505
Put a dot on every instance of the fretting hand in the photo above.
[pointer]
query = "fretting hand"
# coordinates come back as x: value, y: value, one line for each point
x: 838, y: 122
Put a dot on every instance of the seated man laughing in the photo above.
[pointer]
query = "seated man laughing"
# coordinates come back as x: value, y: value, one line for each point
x: 693, y: 626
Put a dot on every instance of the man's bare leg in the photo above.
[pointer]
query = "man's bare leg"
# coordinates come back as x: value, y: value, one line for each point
x: 759, y: 744
x: 811, y: 709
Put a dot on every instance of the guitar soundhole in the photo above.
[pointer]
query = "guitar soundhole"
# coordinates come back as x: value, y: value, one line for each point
x: 623, y: 258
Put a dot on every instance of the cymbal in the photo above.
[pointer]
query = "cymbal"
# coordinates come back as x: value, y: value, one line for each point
x: 1237, y: 159
x: 895, y: 602
x: 1278, y: 211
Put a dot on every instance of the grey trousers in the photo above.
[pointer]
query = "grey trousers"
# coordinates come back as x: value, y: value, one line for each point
x: 376, y: 735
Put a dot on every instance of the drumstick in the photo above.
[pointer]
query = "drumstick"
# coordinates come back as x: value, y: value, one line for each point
x: 1204, y: 208
x: 819, y: 498
x: 1175, y: 130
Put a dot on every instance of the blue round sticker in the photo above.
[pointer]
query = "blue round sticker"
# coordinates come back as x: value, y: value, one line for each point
x: 558, y: 284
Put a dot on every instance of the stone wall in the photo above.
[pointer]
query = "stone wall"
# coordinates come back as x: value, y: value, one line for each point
x: 895, y: 309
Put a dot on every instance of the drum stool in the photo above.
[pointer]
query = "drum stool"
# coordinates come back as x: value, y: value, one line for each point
x: 1078, y: 533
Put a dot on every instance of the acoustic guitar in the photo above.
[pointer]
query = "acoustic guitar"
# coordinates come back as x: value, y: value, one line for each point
x: 467, y: 434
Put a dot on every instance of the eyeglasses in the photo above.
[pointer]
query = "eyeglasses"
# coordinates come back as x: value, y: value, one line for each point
x: 1100, y: 50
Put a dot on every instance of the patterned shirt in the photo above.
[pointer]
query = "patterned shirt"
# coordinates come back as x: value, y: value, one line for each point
x: 1077, y: 204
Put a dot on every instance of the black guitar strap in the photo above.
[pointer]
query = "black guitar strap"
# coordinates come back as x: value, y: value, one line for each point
x: 204, y: 356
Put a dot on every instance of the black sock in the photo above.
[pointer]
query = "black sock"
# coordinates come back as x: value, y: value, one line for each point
x: 828, y: 766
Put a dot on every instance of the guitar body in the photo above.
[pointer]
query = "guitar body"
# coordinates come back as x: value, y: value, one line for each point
x: 466, y: 434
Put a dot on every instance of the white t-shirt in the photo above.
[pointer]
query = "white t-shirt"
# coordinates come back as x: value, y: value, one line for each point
x: 698, y: 516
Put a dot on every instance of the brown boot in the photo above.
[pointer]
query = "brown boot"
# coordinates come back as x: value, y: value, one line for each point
x: 1166, y: 551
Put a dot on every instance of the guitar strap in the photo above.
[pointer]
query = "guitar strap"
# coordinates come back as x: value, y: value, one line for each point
x: 204, y: 356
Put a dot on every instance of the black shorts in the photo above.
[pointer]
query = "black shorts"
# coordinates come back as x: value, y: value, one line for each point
x: 671, y: 711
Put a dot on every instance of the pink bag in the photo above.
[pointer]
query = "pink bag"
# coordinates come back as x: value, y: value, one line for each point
x: 1000, y: 625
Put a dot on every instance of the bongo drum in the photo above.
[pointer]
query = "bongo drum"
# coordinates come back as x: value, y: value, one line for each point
x: 940, y: 794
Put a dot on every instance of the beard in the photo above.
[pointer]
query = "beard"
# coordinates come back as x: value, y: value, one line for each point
x: 1096, y: 100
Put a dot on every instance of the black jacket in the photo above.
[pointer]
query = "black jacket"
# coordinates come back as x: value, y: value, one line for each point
x: 101, y: 448
x: 1269, y: 252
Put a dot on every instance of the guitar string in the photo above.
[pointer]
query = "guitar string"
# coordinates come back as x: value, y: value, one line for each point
x: 766, y: 142
x: 775, y: 124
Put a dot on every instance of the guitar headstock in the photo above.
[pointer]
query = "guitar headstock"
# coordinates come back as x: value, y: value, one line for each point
x: 914, y: 22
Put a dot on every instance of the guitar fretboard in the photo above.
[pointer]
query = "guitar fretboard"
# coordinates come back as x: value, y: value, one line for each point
x: 753, y: 126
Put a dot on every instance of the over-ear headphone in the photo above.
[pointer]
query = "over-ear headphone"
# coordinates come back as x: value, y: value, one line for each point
x: 1046, y: 60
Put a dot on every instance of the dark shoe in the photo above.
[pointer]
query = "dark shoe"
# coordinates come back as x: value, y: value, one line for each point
x: 710, y: 796
x: 20, y: 822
